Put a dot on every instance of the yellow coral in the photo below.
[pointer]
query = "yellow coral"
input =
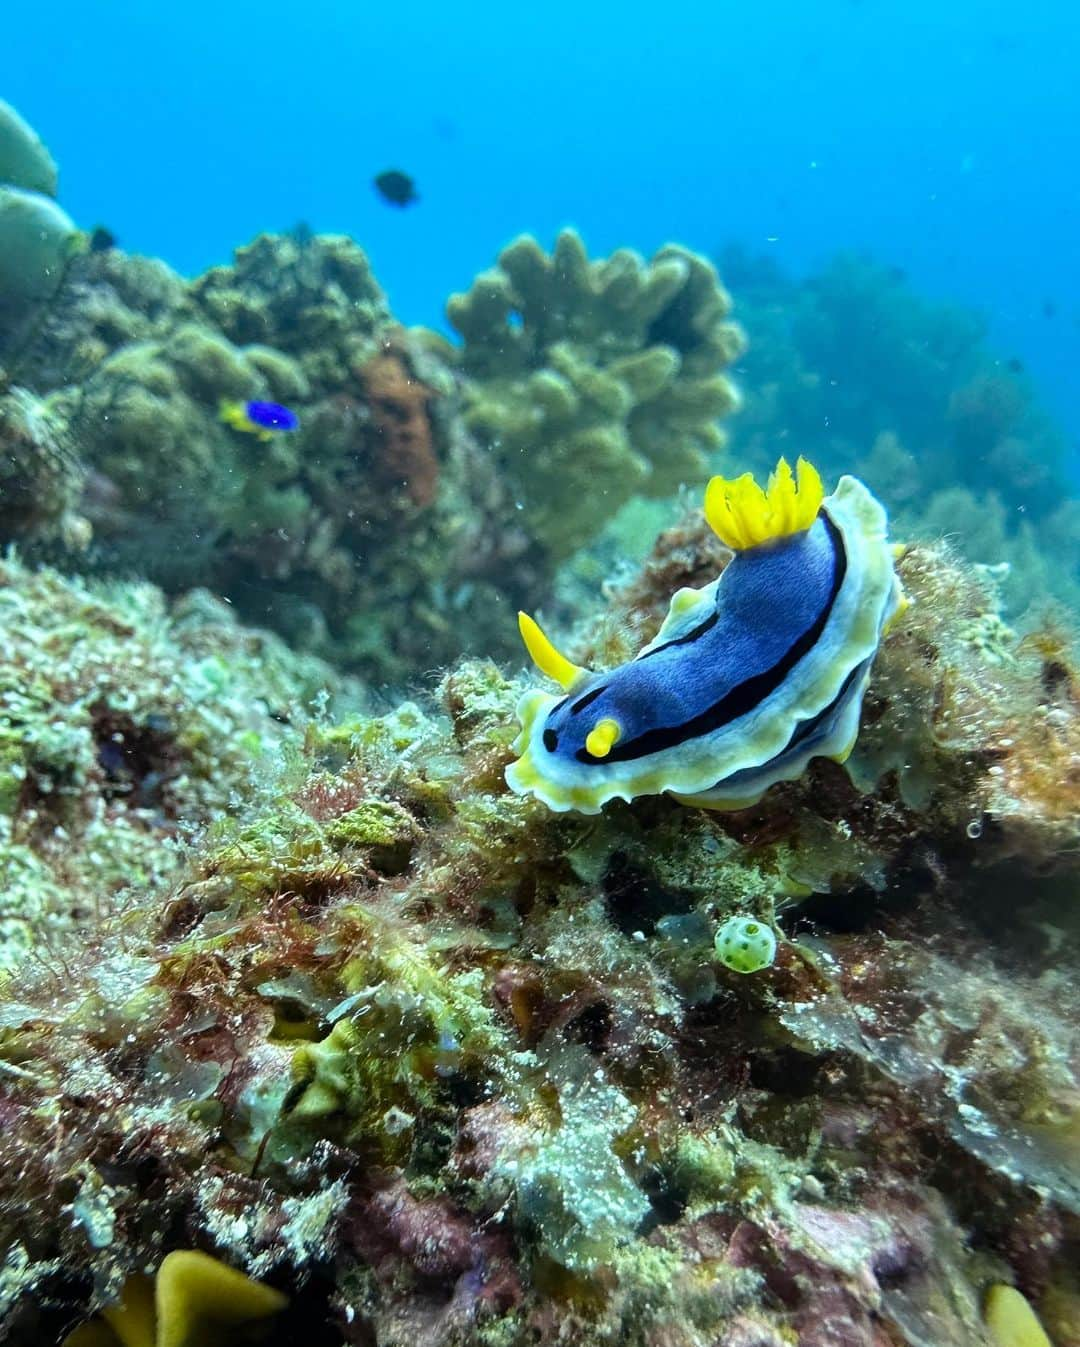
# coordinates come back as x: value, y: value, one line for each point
x: 192, y: 1295
x: 743, y: 515
x: 1011, y: 1320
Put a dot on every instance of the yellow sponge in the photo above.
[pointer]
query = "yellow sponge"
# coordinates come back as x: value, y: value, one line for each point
x: 1011, y: 1320
x: 193, y: 1296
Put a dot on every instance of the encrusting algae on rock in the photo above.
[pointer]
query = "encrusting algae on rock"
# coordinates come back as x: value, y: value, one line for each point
x: 126, y: 725
x: 449, y: 1068
x: 397, y: 1056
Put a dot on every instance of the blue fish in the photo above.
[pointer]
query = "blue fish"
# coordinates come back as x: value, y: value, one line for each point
x: 259, y: 418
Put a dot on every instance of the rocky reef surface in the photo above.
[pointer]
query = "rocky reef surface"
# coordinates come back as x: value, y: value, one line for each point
x: 429, y: 489
x: 127, y: 724
x: 442, y: 1067
x: 309, y: 1026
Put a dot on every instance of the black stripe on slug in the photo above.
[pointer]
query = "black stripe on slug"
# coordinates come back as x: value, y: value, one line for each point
x: 688, y: 639
x: 745, y: 696
x: 807, y: 728
x: 588, y: 699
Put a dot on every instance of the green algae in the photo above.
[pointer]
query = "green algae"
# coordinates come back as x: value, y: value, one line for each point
x: 124, y: 726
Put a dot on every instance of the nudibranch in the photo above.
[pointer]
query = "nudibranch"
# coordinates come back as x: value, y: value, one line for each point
x: 748, y: 678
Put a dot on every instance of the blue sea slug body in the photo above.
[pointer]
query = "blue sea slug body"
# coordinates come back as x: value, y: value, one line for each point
x: 748, y: 678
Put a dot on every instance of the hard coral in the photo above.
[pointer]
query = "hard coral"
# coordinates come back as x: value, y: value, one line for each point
x: 377, y: 534
x: 594, y: 380
x: 314, y: 298
x: 24, y: 160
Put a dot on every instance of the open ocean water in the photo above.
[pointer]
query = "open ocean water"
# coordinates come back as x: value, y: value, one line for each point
x: 941, y: 138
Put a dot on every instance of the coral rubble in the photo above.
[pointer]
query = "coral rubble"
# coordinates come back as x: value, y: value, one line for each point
x: 446, y: 1068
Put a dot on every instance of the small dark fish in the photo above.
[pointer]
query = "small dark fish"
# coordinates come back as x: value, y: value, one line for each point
x: 259, y: 418
x: 1016, y: 366
x: 396, y: 187
x: 302, y: 234
x: 102, y: 240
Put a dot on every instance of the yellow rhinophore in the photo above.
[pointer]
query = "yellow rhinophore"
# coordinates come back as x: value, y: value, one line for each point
x: 600, y: 739
x: 544, y: 655
x: 743, y: 515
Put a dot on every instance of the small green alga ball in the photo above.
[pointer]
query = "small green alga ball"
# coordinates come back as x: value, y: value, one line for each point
x: 745, y: 945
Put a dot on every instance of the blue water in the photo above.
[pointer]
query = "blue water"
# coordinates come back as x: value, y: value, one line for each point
x: 942, y: 137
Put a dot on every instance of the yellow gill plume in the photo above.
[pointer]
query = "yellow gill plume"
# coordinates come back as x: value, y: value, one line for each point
x: 743, y: 515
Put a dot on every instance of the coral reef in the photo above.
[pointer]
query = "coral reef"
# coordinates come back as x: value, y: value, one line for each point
x: 314, y: 299
x: 856, y: 370
x: 306, y: 1016
x: 446, y: 1068
x: 399, y: 406
x: 383, y: 502
x: 41, y: 479
x: 591, y: 381
x: 376, y: 534
x: 125, y: 725
x: 37, y: 238
x: 397, y: 494
x: 24, y: 160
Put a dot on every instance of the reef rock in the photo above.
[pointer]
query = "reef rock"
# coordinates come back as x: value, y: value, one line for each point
x: 126, y: 724
x: 446, y: 1068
